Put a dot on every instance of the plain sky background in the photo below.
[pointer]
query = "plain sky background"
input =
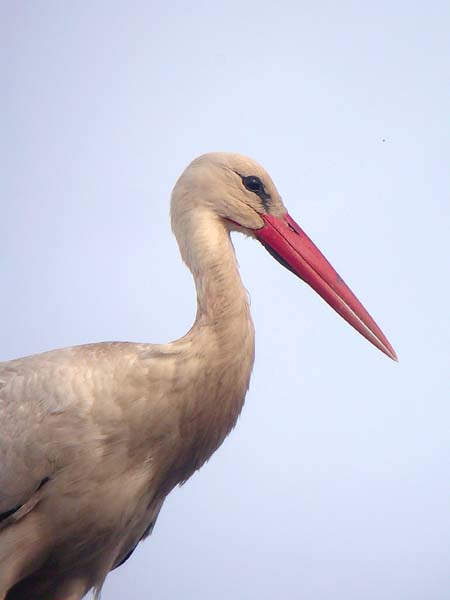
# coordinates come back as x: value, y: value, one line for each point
x: 335, y: 483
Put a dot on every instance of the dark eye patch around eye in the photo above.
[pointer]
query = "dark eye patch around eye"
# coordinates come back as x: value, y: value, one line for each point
x: 254, y: 184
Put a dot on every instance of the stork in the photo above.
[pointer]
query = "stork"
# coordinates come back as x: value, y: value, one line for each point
x: 94, y: 437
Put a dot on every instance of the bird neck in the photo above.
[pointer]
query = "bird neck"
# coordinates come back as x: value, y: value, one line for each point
x: 219, y: 348
x: 222, y: 301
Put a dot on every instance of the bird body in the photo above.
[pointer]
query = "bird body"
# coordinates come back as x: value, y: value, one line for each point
x: 94, y: 437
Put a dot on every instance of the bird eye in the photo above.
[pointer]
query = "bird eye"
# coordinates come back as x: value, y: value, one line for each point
x: 252, y: 183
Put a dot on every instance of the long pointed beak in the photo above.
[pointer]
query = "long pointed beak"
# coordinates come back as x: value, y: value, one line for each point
x: 290, y: 245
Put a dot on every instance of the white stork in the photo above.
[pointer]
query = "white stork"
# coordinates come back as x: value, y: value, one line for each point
x: 94, y: 437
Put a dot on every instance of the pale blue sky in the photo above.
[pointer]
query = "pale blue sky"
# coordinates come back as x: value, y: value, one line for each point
x: 334, y: 484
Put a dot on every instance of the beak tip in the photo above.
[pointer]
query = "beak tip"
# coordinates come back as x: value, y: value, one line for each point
x: 391, y: 353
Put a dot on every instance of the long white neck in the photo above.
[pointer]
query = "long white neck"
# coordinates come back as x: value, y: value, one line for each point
x: 222, y: 301
x: 220, y: 345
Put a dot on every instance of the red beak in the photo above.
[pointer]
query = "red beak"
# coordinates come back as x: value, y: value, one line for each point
x: 290, y: 245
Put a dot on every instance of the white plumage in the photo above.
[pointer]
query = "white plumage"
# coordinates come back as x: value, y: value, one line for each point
x: 94, y: 437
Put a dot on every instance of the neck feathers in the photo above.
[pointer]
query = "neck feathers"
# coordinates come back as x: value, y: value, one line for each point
x: 221, y: 342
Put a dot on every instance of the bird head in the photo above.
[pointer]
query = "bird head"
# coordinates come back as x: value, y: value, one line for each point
x: 239, y: 192
x: 234, y: 187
